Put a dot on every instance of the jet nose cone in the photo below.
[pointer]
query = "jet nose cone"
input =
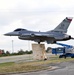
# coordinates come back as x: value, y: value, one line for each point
x: 12, y: 34
x: 7, y: 34
x: 4, y: 34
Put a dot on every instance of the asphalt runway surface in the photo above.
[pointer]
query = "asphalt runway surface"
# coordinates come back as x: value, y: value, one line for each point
x: 64, y: 68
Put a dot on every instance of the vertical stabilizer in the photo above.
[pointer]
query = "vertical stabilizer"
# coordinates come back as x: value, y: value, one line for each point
x: 63, y: 26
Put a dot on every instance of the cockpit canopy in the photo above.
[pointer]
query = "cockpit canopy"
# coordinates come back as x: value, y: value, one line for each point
x: 20, y: 29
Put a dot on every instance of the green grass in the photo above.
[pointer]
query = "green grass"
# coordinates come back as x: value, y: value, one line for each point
x: 21, y: 67
x: 30, y: 66
x: 6, y: 64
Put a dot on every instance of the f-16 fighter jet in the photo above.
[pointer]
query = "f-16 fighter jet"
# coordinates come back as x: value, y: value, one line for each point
x: 57, y: 34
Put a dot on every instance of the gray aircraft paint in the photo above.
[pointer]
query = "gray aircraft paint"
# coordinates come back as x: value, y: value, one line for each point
x: 57, y: 34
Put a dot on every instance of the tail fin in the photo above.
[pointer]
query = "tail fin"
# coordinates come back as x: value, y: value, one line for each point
x: 63, y: 26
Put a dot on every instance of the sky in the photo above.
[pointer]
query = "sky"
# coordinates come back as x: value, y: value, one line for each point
x: 37, y: 15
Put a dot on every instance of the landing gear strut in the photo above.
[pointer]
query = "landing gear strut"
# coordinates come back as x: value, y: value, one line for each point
x: 38, y: 42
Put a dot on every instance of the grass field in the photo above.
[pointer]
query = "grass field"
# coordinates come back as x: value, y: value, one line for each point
x: 30, y: 66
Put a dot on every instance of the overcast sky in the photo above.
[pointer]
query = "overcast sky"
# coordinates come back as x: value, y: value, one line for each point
x: 37, y: 15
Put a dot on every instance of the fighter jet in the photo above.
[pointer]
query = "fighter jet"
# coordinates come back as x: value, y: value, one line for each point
x: 52, y: 36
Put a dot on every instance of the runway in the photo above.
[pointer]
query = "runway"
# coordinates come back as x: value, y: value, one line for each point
x: 65, y: 68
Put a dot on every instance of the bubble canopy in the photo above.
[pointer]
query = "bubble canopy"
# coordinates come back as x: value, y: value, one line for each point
x: 20, y: 29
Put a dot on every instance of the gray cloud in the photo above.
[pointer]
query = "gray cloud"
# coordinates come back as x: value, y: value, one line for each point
x: 36, y: 15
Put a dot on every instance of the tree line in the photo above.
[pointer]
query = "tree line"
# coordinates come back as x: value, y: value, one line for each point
x: 20, y: 52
